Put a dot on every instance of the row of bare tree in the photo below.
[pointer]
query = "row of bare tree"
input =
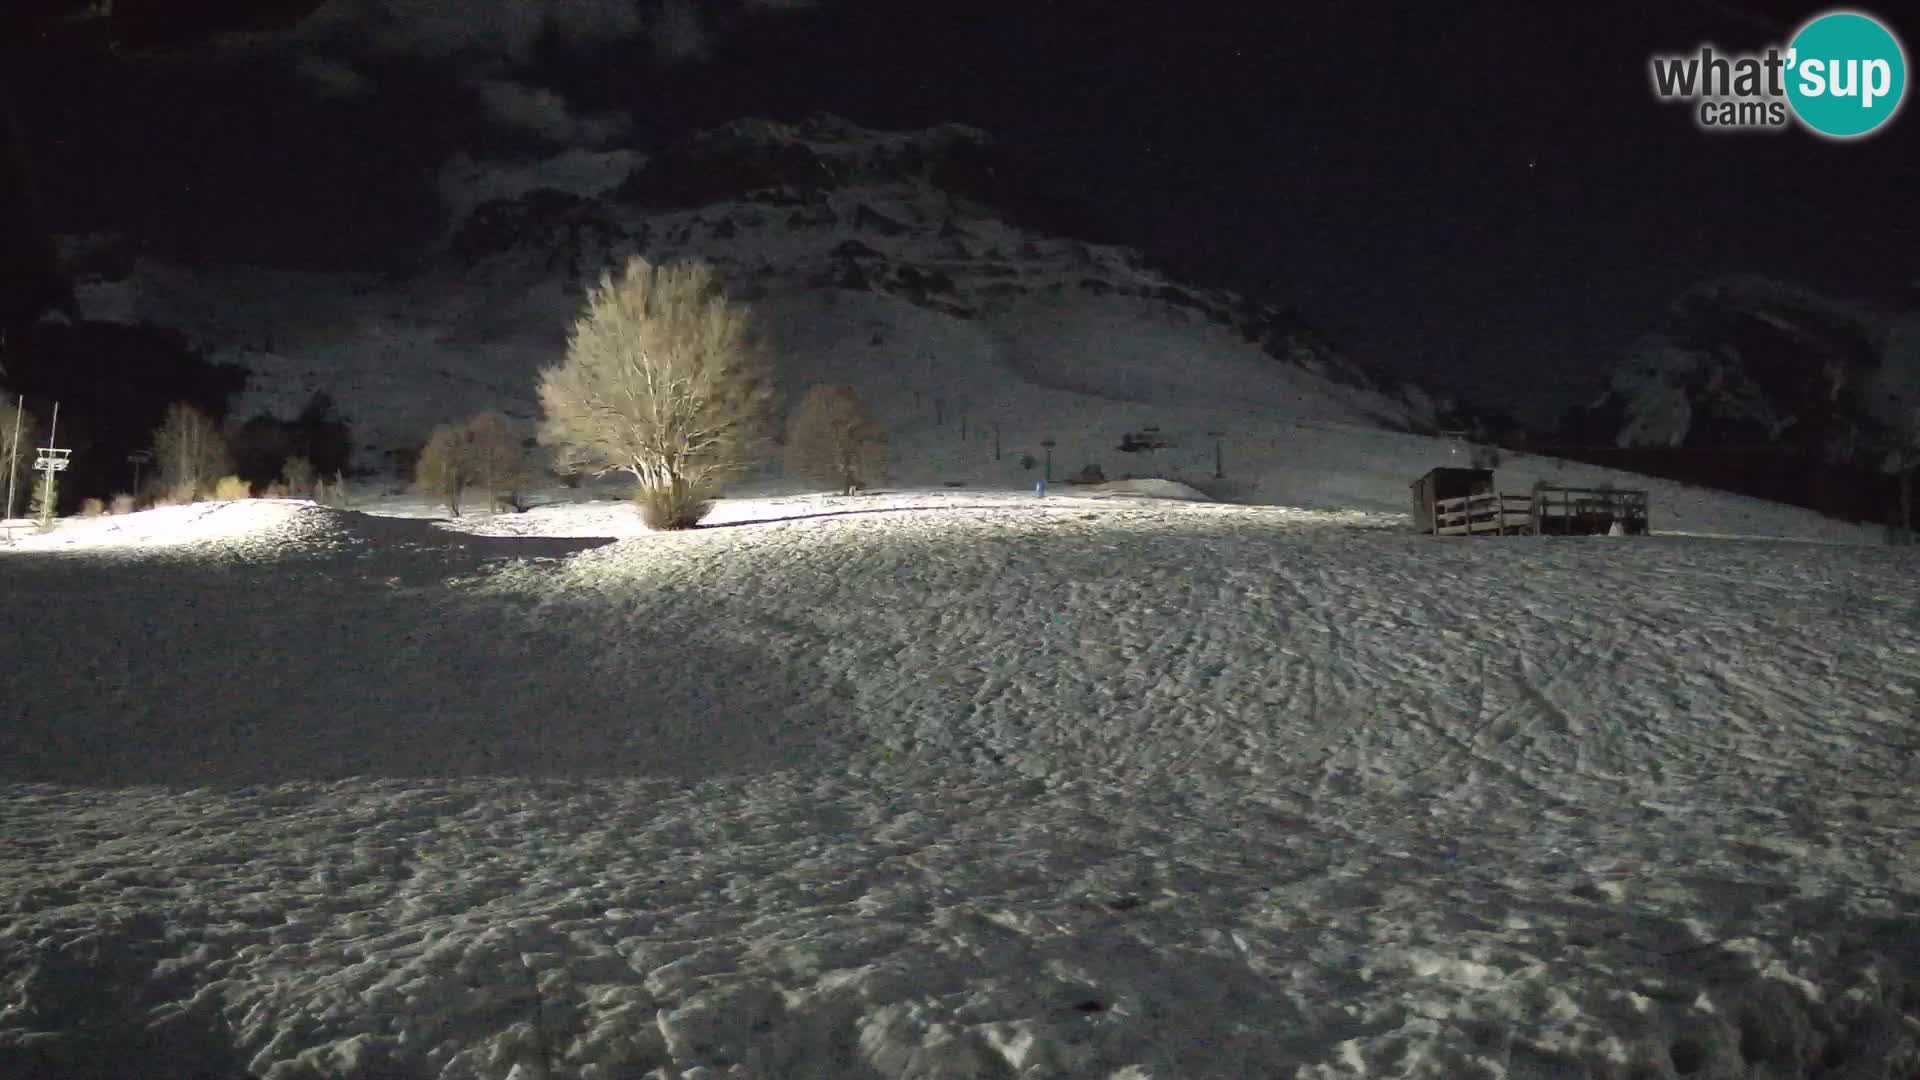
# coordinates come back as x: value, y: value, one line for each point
x: 665, y: 380
x: 190, y: 456
x: 480, y: 453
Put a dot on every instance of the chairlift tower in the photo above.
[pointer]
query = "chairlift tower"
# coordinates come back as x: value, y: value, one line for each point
x: 137, y: 459
x: 51, y: 459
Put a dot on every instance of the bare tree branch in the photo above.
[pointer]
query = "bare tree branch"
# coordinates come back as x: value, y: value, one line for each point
x: 661, y: 380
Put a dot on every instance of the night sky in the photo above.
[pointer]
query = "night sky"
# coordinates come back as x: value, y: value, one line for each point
x: 1482, y: 196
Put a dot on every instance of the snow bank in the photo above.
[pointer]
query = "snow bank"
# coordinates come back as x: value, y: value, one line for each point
x: 1143, y: 489
x: 272, y: 526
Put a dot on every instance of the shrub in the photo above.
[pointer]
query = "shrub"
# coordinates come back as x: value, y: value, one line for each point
x: 123, y: 503
x: 190, y: 453
x: 496, y: 461
x: 92, y: 508
x: 297, y: 476
x: 832, y: 437
x: 441, y: 469
x: 661, y: 381
x: 676, y: 506
x: 231, y: 489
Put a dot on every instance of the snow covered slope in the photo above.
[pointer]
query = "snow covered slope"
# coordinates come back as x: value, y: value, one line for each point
x: 862, y: 256
x: 952, y: 785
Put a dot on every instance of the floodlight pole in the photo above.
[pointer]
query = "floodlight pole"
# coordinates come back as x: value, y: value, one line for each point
x: 13, y: 461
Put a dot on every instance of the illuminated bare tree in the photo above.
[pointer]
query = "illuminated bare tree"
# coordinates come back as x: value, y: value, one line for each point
x: 661, y: 380
x: 832, y: 437
x: 191, y: 452
x: 442, y: 468
x: 497, y: 462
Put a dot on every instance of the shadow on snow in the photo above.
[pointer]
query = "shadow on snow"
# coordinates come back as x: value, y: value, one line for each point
x: 386, y: 657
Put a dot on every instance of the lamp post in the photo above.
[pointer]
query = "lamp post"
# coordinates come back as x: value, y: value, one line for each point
x: 13, y: 457
x: 1049, y: 444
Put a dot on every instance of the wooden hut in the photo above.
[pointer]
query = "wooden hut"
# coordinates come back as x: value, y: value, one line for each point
x: 1462, y: 502
x: 1446, y: 483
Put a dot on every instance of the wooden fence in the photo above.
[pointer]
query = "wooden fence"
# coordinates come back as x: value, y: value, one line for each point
x: 1546, y: 511
x: 1560, y: 511
x: 1489, y: 513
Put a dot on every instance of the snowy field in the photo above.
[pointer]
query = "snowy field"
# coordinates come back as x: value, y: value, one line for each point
x: 952, y: 785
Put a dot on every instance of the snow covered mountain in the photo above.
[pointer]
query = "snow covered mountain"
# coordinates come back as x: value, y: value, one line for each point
x: 1746, y: 361
x: 873, y: 258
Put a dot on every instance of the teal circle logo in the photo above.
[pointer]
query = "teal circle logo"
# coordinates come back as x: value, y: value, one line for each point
x: 1846, y: 74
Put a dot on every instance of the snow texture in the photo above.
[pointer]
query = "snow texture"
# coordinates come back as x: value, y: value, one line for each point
x: 951, y: 784
x: 1133, y: 781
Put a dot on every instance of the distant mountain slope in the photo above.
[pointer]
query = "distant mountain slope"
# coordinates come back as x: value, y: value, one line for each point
x: 988, y: 347
x: 1748, y: 362
x: 869, y: 256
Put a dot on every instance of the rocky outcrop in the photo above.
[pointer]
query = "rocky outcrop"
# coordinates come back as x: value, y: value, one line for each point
x: 565, y: 234
x: 765, y: 161
x: 1752, y: 363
